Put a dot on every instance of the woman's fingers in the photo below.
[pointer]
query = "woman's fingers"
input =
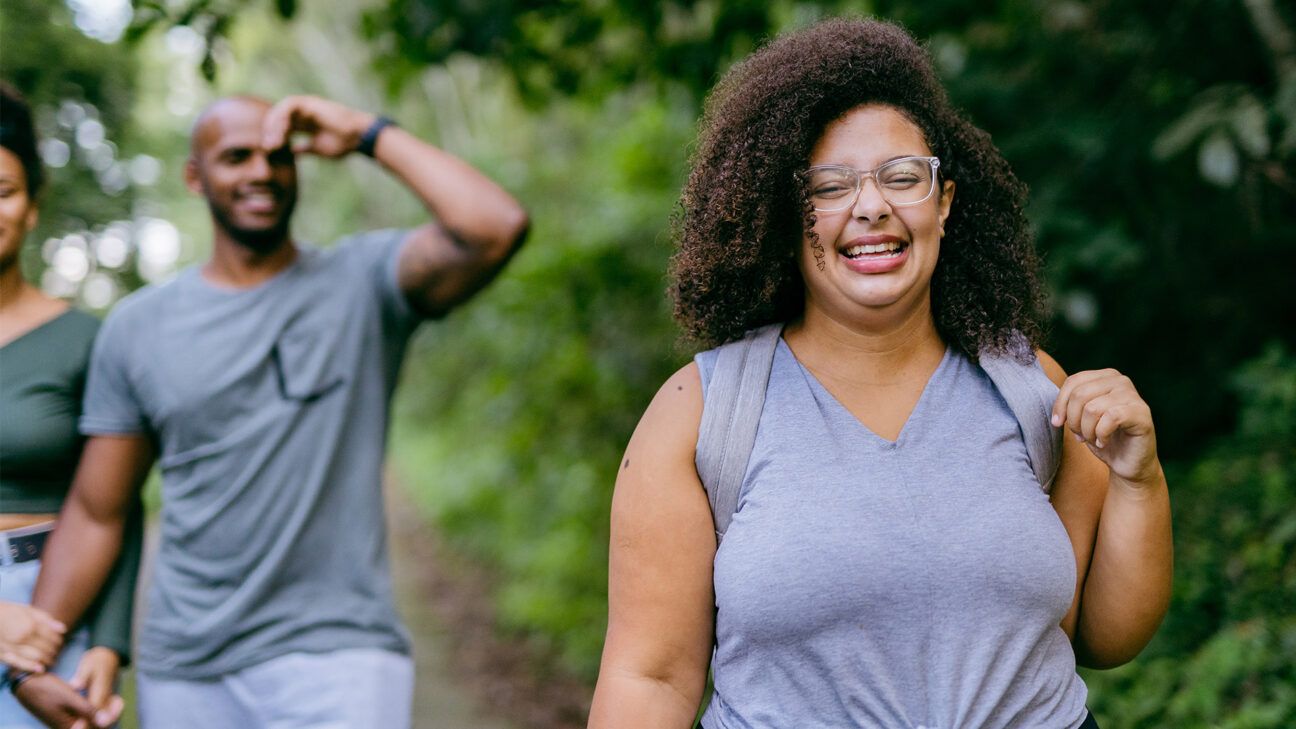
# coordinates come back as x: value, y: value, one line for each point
x: 1104, y: 410
x: 21, y: 662
x: 1086, y: 397
x: 48, y: 624
x: 1077, y: 399
x: 41, y: 651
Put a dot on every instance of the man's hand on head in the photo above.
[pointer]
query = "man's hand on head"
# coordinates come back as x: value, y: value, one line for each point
x: 330, y: 129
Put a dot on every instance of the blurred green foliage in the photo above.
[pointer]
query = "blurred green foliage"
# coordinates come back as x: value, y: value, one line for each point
x: 1159, y: 141
x: 514, y: 412
x: 82, y: 94
x: 1226, y: 655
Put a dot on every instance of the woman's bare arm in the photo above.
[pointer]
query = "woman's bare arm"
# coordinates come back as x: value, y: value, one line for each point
x: 661, y: 608
x: 1112, y: 497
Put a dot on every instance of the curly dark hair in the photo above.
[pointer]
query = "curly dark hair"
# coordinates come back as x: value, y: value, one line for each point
x: 18, y: 135
x: 742, y: 214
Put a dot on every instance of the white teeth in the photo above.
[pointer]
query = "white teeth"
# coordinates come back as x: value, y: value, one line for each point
x: 888, y: 247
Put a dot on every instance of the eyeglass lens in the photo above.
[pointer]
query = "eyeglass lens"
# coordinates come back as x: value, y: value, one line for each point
x: 907, y: 181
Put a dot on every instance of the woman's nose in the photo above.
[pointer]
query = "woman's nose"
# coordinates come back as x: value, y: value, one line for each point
x: 870, y: 204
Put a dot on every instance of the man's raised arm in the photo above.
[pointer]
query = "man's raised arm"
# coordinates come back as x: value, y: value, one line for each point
x: 478, y: 225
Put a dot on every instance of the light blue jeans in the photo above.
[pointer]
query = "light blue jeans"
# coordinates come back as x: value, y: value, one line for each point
x: 355, y: 688
x: 16, y: 584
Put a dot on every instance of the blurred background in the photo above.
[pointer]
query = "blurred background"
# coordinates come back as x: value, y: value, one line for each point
x: 1158, y: 141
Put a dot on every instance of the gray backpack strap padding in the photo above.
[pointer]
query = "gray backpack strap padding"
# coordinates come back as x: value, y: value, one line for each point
x: 1030, y: 395
x: 735, y: 398
x: 731, y: 413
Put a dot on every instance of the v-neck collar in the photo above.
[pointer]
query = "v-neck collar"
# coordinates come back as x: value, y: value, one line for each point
x: 43, y: 326
x: 913, y: 423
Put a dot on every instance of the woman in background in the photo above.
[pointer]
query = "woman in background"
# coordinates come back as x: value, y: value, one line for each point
x: 44, y: 352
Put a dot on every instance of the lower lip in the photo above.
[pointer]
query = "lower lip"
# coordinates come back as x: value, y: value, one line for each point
x: 876, y: 263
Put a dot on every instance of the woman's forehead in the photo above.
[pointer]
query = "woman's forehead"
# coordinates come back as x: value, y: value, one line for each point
x: 869, y: 135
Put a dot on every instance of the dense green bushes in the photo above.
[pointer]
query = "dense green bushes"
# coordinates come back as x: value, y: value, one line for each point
x: 1226, y: 656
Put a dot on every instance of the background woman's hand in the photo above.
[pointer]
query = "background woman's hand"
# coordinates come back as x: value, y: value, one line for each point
x: 1103, y: 410
x: 30, y: 639
x: 96, y: 676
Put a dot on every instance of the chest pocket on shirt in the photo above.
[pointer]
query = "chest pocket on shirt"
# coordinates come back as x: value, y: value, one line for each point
x: 307, y: 365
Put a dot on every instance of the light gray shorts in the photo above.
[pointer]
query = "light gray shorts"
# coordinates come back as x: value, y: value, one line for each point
x: 356, y: 688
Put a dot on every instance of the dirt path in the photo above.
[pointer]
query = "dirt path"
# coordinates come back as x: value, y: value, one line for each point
x: 468, y: 675
x: 441, y: 701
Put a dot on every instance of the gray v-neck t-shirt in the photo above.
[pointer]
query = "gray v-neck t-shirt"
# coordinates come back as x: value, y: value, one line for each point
x: 871, y: 583
x: 269, y: 409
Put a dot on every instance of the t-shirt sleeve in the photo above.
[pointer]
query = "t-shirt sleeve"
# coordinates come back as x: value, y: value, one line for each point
x: 377, y: 256
x: 111, y: 406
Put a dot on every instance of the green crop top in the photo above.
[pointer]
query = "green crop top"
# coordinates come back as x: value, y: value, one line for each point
x: 42, y: 378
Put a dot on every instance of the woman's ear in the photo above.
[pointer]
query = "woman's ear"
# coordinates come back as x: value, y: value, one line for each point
x: 32, y: 218
x: 946, y: 199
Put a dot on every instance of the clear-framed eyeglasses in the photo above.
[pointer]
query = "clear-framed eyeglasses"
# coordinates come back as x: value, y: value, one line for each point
x: 903, y: 181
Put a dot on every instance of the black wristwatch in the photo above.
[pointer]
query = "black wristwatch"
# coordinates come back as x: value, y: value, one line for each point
x: 370, y: 138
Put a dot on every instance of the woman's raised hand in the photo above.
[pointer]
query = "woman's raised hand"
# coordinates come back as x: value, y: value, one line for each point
x: 1104, y: 411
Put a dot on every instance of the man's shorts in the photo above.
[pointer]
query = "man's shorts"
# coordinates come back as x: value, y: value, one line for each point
x: 358, y: 688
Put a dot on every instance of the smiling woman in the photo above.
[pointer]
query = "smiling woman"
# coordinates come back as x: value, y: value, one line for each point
x: 904, y: 220
x: 44, y: 352
x: 901, y: 547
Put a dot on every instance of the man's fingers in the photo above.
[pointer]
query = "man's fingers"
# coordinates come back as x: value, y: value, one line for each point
x: 82, y: 675
x: 109, y: 715
x: 291, y: 114
x: 99, y: 688
x: 278, y: 122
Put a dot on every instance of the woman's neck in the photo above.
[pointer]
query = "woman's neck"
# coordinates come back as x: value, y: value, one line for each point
x: 13, y: 289
x: 23, y: 307
x: 869, y: 352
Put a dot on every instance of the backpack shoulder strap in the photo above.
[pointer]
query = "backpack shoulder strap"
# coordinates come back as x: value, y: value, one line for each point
x: 1030, y: 395
x: 731, y: 410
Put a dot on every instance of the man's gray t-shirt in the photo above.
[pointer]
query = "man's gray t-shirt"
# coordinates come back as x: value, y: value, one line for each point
x: 269, y: 410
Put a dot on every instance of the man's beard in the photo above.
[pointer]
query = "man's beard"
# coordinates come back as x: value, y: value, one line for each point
x: 258, y: 240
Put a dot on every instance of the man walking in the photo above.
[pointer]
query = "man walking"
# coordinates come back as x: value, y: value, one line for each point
x: 260, y: 381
